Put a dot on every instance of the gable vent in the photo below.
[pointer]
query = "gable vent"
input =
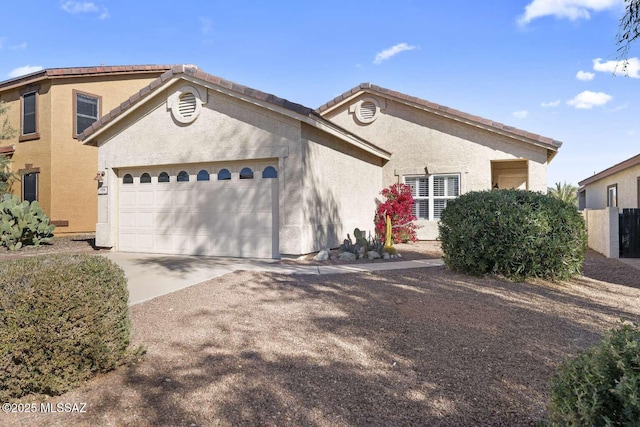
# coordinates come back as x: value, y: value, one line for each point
x: 367, y: 111
x: 187, y: 104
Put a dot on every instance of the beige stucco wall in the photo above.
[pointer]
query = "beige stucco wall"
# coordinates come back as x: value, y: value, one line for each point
x: 340, y: 187
x: 602, y: 231
x: 417, y: 139
x: 228, y: 129
x: 67, y: 190
x: 627, y: 181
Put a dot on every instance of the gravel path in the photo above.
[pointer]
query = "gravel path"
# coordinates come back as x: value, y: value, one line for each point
x: 405, y: 347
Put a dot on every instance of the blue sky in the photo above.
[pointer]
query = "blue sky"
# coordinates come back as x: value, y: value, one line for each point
x: 545, y: 66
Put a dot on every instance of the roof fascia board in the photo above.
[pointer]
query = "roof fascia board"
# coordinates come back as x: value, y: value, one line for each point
x: 619, y: 167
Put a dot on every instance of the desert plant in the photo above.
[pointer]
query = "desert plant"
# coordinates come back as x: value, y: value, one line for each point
x: 23, y: 223
x: 601, y: 385
x: 565, y: 192
x: 398, y: 205
x: 513, y: 233
x: 354, y: 247
x: 63, y: 318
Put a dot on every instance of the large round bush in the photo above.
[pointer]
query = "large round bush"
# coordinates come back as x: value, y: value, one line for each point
x: 601, y: 385
x: 513, y: 233
x: 63, y: 318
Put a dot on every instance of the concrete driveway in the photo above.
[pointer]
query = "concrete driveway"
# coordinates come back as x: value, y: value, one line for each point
x: 153, y: 275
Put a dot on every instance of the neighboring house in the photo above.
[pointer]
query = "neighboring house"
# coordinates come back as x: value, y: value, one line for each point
x: 195, y: 164
x: 48, y: 109
x: 617, y: 186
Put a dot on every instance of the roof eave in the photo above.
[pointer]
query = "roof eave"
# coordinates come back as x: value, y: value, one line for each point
x: 619, y: 167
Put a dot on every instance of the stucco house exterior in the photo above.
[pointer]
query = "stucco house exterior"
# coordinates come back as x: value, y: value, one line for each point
x: 48, y: 109
x: 617, y: 186
x: 195, y: 164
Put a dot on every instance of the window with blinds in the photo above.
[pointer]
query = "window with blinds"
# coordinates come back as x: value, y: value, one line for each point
x: 431, y: 193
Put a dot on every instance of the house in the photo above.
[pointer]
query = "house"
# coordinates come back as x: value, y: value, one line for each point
x: 441, y: 152
x: 48, y: 109
x: 617, y: 186
x: 610, y: 202
x: 195, y: 164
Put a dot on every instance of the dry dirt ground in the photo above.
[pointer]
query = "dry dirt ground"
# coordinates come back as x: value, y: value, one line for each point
x: 406, y: 347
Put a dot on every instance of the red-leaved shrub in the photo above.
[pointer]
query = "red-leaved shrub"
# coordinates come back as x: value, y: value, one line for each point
x: 398, y: 204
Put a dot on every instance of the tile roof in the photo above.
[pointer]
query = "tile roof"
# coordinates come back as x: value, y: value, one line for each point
x: 56, y: 73
x: 625, y: 164
x: 194, y: 71
x: 440, y: 109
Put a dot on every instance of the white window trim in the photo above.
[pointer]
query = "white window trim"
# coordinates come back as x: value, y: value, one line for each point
x: 431, y: 198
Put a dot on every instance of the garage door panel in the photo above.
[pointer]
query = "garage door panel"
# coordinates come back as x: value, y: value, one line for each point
x: 218, y: 218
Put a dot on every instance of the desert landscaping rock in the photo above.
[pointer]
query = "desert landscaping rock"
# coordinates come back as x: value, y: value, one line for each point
x: 373, y: 255
x: 323, y: 255
x: 347, y: 256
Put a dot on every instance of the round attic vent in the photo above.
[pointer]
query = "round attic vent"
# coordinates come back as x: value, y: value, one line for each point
x: 367, y: 110
x: 185, y: 104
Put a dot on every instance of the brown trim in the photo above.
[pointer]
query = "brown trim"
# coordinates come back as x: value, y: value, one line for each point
x: 28, y: 169
x: 57, y: 73
x: 35, y: 89
x: 60, y: 223
x: 625, y: 164
x: 8, y: 150
x: 75, y: 109
x: 616, y: 199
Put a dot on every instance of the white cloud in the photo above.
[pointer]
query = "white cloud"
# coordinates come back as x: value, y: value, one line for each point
x: 392, y: 51
x: 74, y: 7
x: 522, y: 114
x: 20, y: 46
x: 570, y: 9
x: 631, y: 68
x: 551, y: 104
x: 585, y: 75
x: 587, y: 100
x: 21, y: 71
x: 206, y: 25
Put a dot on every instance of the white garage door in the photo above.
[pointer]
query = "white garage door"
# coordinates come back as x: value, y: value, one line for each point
x: 218, y: 210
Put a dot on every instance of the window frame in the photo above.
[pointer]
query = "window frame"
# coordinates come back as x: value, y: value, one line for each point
x: 269, y: 168
x: 148, y: 175
x: 227, y: 178
x: 37, y: 185
x: 199, y: 175
x: 75, y: 109
x: 613, y: 187
x: 162, y: 181
x: 130, y: 175
x: 246, y: 173
x: 431, y: 198
x: 35, y: 90
x: 183, y: 173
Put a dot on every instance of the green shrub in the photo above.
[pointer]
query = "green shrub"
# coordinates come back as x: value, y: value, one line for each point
x: 22, y: 223
x: 63, y: 318
x: 513, y: 233
x: 601, y: 386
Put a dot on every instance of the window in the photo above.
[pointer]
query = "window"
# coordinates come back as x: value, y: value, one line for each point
x: 183, y: 176
x: 224, y: 175
x: 246, y: 173
x: 269, y: 172
x: 203, y: 175
x: 30, y: 187
x: 127, y: 179
x: 86, y: 110
x: 612, y: 196
x: 163, y: 177
x: 431, y: 194
x: 145, y: 178
x: 29, y: 115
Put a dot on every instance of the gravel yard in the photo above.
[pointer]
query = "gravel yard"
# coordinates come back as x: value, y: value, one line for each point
x: 406, y: 347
